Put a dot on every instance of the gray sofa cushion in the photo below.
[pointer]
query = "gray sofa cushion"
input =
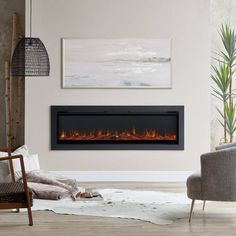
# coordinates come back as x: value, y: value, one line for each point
x: 218, y: 172
x: 217, y: 181
x: 194, y: 186
x: 224, y: 146
x: 194, y: 182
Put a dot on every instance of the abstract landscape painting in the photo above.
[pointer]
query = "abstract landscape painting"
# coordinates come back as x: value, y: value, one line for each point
x: 116, y: 63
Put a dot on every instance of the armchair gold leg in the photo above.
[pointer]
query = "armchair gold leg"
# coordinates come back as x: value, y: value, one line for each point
x: 191, y: 210
x: 204, y: 204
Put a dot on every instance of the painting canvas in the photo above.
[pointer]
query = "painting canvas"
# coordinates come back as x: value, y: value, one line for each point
x: 116, y: 63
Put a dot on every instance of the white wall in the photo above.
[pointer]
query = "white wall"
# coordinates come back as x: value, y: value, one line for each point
x: 185, y: 21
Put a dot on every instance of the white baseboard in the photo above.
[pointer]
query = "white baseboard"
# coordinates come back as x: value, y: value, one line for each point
x: 141, y: 176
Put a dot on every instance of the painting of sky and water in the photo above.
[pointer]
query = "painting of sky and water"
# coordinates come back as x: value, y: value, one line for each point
x: 116, y: 63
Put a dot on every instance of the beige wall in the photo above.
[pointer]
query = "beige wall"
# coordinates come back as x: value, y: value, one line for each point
x: 187, y: 22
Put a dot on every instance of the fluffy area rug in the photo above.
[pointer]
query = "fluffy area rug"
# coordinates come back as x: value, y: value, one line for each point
x: 151, y: 206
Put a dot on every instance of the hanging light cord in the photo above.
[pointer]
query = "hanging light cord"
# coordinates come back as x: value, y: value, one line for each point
x: 30, y: 17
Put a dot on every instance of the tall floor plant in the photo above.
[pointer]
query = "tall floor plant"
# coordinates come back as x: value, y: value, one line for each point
x: 221, y: 92
x: 223, y: 81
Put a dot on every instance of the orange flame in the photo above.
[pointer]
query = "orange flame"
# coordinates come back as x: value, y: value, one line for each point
x: 100, y: 134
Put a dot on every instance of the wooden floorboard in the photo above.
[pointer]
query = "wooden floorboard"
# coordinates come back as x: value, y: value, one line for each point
x: 218, y: 219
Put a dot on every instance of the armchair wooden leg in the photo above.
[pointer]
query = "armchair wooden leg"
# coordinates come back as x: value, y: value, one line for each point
x: 204, y: 204
x: 30, y: 216
x: 191, y: 210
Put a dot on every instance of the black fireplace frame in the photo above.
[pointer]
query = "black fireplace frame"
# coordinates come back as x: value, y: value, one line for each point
x: 55, y: 110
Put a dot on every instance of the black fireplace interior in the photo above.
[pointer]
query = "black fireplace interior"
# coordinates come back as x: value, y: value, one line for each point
x: 117, y: 127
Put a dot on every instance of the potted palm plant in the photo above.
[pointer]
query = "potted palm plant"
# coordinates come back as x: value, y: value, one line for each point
x: 222, y: 77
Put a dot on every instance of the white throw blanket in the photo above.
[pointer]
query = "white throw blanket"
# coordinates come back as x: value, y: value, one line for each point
x: 48, y: 185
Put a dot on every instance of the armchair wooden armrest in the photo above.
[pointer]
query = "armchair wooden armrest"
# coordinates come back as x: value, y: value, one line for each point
x: 11, y: 158
x: 5, y: 149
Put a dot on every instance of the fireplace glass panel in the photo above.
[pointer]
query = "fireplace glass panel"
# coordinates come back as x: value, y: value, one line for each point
x: 117, y: 128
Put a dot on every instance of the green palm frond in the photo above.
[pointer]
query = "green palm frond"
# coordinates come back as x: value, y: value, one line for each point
x: 221, y: 80
x: 228, y: 39
x: 230, y: 114
x: 222, y: 116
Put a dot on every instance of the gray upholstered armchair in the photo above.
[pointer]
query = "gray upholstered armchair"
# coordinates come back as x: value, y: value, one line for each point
x: 217, y: 179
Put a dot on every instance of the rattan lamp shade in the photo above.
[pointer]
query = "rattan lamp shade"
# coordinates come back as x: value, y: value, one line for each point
x: 30, y: 58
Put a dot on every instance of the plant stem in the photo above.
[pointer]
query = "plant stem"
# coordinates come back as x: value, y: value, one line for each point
x: 230, y: 84
x: 225, y: 129
x: 230, y: 95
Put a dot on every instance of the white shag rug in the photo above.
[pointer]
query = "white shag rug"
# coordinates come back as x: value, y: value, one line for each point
x: 152, y: 206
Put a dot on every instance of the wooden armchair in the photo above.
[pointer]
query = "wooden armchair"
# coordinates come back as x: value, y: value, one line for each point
x: 15, y: 194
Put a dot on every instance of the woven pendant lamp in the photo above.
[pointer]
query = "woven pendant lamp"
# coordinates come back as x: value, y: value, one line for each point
x: 30, y: 57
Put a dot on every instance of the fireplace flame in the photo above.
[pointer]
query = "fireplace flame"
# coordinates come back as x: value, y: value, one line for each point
x: 148, y: 134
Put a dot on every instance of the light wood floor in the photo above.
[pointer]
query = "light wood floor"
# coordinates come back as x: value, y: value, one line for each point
x: 218, y: 219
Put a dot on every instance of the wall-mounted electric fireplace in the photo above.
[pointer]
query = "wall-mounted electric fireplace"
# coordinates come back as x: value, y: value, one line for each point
x: 117, y: 127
